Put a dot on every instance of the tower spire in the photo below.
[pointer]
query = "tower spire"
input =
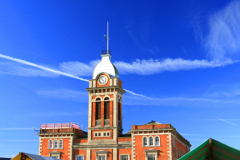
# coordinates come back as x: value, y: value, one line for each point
x: 107, y: 39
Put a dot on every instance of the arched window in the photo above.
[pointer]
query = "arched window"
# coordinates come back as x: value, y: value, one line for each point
x: 151, y: 141
x: 144, y: 141
x: 60, y: 145
x: 55, y: 144
x: 106, y: 110
x: 106, y: 99
x: 157, y: 141
x: 98, y: 99
x: 98, y: 110
x: 50, y: 144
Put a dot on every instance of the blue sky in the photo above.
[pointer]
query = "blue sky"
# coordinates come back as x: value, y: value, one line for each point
x: 179, y: 60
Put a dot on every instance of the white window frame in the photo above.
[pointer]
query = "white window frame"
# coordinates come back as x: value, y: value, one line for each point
x: 151, y: 152
x: 55, y: 140
x: 49, y: 144
x: 80, y: 155
x: 153, y: 144
x: 98, y: 157
x: 59, y: 144
x: 143, y: 141
x: 159, y: 140
x: 101, y: 153
x: 128, y: 155
x: 155, y: 156
x: 55, y: 154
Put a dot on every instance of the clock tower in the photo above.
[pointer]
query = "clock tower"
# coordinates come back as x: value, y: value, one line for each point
x: 105, y: 103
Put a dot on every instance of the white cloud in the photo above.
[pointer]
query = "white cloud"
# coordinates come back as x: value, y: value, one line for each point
x: 78, y: 68
x: 223, y: 40
x: 148, y: 67
x: 9, y: 129
x: 18, y: 69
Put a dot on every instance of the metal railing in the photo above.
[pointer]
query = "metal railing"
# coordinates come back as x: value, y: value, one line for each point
x: 106, y: 52
x: 59, y: 125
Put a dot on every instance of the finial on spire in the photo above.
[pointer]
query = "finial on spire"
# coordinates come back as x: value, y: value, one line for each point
x: 107, y: 40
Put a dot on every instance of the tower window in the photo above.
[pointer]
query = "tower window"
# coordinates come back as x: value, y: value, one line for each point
x: 105, y: 99
x: 119, y: 111
x: 98, y: 110
x: 106, y: 110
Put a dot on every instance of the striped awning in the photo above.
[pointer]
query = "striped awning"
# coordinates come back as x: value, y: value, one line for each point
x: 212, y: 150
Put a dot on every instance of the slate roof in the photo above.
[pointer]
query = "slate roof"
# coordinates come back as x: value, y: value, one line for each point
x: 37, y: 157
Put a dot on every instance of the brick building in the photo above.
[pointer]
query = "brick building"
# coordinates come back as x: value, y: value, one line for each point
x: 104, y: 139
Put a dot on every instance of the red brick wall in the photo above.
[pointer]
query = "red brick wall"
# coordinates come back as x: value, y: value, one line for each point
x: 151, y: 126
x: 80, y: 140
x: 125, y: 139
x: 140, y: 154
x: 178, y: 146
x: 64, y: 152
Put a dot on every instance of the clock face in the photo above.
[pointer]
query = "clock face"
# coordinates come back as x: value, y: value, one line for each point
x: 103, y: 80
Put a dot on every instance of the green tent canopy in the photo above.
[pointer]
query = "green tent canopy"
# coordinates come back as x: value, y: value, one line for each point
x: 212, y: 150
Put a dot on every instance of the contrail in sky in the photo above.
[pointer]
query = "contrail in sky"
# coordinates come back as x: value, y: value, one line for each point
x: 41, y: 67
x: 55, y: 71
x: 227, y: 121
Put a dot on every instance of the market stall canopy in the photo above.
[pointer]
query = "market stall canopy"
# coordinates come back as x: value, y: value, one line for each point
x: 212, y: 150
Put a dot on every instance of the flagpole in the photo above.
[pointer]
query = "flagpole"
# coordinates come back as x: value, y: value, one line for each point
x: 107, y: 40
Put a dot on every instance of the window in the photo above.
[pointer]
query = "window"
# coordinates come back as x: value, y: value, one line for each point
x: 101, y: 157
x: 144, y: 141
x: 99, y: 134
x: 60, y: 144
x: 55, y: 144
x: 124, y: 157
x: 50, y: 144
x: 151, y: 141
x: 108, y: 134
x: 105, y: 99
x: 98, y: 110
x: 119, y: 111
x: 157, y: 141
x: 56, y: 157
x: 151, y: 157
x: 104, y: 134
x: 106, y: 110
x: 174, y: 142
x: 79, y: 157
